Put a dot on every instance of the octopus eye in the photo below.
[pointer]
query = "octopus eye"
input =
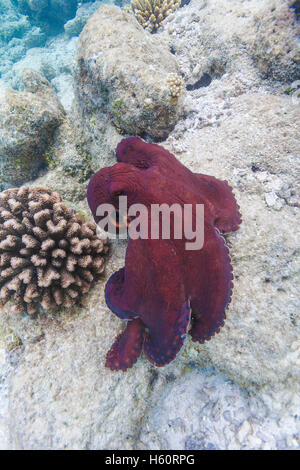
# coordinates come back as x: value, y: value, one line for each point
x: 119, y: 220
x: 118, y: 193
x: 143, y: 164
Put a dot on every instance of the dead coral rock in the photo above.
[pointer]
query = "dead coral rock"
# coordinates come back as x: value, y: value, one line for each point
x: 27, y: 124
x: 48, y: 256
x: 121, y: 75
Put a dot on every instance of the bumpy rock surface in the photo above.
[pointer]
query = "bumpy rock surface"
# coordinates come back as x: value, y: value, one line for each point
x: 205, y: 411
x: 122, y: 74
x: 27, y: 123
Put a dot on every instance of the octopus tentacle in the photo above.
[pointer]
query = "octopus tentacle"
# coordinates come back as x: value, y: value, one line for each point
x: 221, y: 202
x: 161, y: 346
x: 214, y: 293
x: 127, y: 346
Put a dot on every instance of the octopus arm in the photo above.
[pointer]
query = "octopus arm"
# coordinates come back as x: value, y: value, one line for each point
x: 163, y: 343
x: 221, y: 202
x: 210, y: 282
x: 127, y: 346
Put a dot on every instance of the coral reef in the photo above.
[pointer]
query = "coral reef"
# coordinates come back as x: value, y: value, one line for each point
x: 25, y: 41
x: 13, y: 24
x: 16, y: 35
x: 150, y: 13
x: 54, y: 62
x: 49, y: 257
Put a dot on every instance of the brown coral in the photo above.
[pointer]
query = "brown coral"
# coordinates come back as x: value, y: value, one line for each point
x: 175, y: 84
x: 48, y: 255
x: 150, y: 13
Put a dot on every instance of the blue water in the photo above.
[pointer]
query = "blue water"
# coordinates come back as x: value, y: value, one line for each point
x: 32, y: 30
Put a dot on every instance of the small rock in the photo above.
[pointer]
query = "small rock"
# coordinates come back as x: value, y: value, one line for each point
x: 274, y: 201
x: 243, y: 431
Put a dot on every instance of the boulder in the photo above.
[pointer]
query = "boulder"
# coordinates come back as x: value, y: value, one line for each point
x: 121, y: 75
x: 27, y: 123
x: 276, y: 42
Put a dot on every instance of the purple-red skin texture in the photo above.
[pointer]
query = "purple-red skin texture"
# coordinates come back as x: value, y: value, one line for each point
x: 164, y: 290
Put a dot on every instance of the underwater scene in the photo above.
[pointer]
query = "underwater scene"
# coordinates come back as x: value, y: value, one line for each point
x: 149, y: 214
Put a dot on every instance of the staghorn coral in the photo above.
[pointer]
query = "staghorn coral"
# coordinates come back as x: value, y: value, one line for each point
x: 48, y: 255
x: 150, y: 13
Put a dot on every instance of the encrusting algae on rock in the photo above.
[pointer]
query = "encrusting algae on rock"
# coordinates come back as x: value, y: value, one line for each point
x: 48, y: 255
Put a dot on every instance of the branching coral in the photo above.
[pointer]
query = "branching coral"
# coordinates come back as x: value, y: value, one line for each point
x: 150, y: 13
x: 48, y: 255
x: 174, y: 85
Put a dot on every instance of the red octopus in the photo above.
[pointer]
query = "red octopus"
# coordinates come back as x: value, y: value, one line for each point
x: 166, y: 291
